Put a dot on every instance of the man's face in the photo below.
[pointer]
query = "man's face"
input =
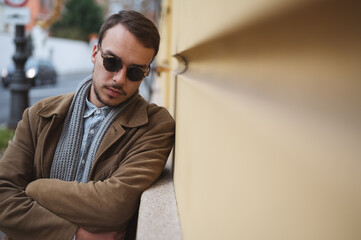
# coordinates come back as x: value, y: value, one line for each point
x: 113, y: 88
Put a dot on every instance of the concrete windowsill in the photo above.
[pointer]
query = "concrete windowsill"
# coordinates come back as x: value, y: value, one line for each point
x: 158, y: 215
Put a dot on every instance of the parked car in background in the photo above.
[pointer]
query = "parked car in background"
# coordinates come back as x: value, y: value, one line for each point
x: 37, y: 71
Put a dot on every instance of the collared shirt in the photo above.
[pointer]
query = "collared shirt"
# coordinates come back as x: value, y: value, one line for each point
x: 93, y: 117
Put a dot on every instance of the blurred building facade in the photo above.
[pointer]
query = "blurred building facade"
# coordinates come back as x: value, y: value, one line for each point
x: 267, y: 117
x: 42, y: 14
x: 40, y: 10
x: 150, y: 8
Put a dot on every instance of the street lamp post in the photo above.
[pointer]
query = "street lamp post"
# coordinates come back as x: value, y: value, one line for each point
x: 19, y: 86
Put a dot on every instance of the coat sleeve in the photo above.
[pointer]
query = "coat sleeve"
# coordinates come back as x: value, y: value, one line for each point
x: 20, y: 216
x: 108, y: 205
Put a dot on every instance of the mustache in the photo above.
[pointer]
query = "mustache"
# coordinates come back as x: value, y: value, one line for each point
x: 119, y: 88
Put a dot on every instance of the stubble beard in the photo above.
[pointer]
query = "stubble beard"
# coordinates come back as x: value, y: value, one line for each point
x: 98, y: 96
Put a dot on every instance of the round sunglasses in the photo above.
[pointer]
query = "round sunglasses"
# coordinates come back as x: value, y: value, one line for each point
x: 113, y: 63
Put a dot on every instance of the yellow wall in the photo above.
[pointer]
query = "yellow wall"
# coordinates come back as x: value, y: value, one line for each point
x: 267, y: 117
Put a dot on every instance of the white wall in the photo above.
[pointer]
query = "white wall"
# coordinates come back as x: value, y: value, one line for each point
x: 68, y: 56
x: 7, y: 48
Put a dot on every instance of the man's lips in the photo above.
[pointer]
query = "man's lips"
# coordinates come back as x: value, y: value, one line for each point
x: 115, y: 92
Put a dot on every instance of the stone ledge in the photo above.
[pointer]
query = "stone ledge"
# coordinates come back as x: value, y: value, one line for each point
x: 158, y: 215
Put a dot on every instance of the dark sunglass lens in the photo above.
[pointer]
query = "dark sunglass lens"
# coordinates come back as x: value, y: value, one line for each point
x: 135, y: 74
x: 112, y: 64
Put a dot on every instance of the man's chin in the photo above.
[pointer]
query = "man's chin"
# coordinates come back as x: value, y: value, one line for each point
x: 108, y: 100
x: 112, y: 102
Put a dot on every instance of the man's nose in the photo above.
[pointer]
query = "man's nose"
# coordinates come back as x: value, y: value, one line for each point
x: 120, y: 77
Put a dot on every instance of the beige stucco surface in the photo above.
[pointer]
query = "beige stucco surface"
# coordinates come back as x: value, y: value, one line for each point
x: 267, y: 118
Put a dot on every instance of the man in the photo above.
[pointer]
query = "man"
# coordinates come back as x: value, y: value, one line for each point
x: 79, y: 162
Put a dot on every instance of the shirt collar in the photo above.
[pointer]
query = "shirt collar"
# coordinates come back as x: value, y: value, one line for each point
x: 91, y: 108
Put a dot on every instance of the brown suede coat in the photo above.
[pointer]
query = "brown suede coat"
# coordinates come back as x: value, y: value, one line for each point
x: 130, y: 158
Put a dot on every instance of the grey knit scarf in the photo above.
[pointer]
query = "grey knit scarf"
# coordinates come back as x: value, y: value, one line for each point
x: 67, y: 152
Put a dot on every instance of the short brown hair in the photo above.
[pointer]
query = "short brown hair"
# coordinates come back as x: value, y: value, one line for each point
x: 136, y: 23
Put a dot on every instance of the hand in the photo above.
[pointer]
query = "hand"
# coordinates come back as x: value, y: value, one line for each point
x: 82, y: 234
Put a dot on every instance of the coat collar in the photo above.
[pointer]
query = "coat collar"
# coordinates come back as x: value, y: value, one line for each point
x: 55, y: 106
x: 133, y: 115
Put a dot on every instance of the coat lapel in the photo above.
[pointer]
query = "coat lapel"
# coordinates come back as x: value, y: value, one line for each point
x: 134, y: 115
x: 53, y: 114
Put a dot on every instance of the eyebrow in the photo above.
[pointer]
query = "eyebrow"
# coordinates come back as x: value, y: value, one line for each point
x: 109, y: 52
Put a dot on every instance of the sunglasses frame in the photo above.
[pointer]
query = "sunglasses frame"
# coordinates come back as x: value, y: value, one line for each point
x: 121, y: 65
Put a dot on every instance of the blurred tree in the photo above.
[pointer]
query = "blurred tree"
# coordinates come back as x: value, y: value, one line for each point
x: 78, y: 20
x: 150, y: 8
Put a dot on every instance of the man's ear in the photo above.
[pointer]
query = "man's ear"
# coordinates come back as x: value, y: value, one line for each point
x: 94, y: 53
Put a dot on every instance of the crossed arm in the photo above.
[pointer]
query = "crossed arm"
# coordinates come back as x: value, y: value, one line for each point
x: 19, y: 214
x: 96, y: 206
x: 107, y: 205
